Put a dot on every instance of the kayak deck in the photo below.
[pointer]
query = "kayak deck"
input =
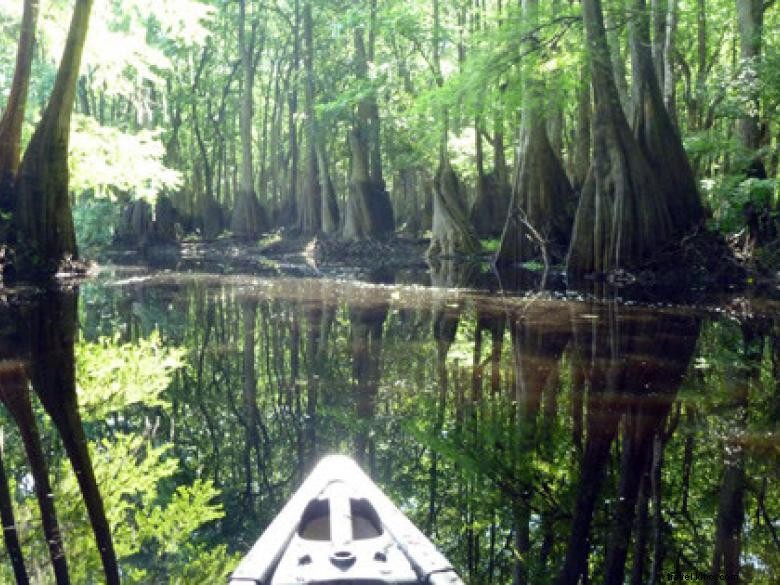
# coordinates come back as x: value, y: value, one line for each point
x: 339, y: 528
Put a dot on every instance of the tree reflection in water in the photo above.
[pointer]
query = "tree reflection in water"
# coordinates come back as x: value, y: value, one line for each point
x: 536, y: 440
x: 41, y: 336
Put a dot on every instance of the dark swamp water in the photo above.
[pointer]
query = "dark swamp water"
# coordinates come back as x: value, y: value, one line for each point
x: 536, y: 439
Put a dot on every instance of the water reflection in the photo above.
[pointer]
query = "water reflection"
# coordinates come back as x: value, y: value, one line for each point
x: 37, y: 344
x: 537, y: 441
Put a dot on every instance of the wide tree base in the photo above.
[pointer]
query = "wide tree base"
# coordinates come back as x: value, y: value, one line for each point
x: 452, y: 234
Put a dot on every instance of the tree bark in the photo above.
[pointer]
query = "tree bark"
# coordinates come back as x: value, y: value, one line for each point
x: 620, y: 219
x: 248, y: 220
x: 452, y: 234
x: 319, y: 208
x: 43, y: 215
x: 616, y: 60
x: 669, y: 77
x: 13, y: 115
x: 656, y: 132
x: 542, y: 201
x: 369, y: 213
x: 750, y: 22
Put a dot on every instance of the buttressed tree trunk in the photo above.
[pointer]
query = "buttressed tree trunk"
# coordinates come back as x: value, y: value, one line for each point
x: 542, y: 206
x: 248, y: 219
x: 488, y: 211
x: 13, y: 116
x: 452, y: 234
x: 369, y: 213
x: 43, y: 215
x: 655, y: 130
x: 620, y: 219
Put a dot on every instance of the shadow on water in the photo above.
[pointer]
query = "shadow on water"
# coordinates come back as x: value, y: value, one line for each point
x: 536, y: 440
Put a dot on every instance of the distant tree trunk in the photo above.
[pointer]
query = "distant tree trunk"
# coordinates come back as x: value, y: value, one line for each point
x: 555, y: 117
x: 488, y: 211
x: 13, y: 116
x: 500, y: 168
x: 248, y: 220
x: 452, y: 234
x: 616, y: 60
x: 658, y: 15
x: 669, y: 77
x: 750, y: 21
x: 542, y: 205
x: 330, y: 208
x: 656, y: 132
x: 292, y: 114
x: 369, y: 213
x: 480, y: 215
x: 43, y: 215
x: 581, y: 154
x: 319, y: 209
x: 620, y: 218
x: 366, y: 213
x: 209, y: 211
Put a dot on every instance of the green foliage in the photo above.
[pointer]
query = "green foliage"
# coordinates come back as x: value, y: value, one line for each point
x: 114, y: 377
x: 158, y: 523
x: 106, y: 162
x: 729, y: 194
x: 94, y: 220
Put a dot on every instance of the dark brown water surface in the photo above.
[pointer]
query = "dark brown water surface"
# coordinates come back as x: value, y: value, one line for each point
x: 536, y: 439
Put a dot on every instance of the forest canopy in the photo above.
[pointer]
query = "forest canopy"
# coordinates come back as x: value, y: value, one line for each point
x: 450, y: 120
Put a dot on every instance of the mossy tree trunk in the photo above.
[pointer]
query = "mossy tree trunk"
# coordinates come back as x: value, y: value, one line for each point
x: 620, y: 219
x: 248, y: 220
x: 656, y: 132
x: 541, y: 211
x: 13, y: 115
x: 43, y: 214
